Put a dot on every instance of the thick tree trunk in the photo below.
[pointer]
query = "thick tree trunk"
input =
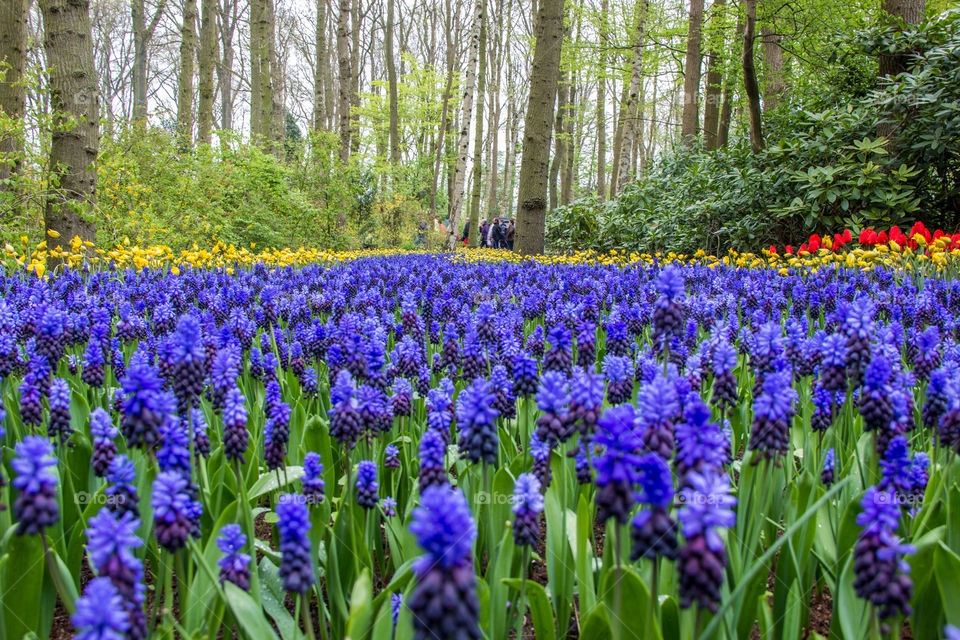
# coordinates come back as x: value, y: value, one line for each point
x: 228, y: 22
x: 188, y: 53
x: 774, y: 85
x: 463, y: 145
x: 532, y: 196
x: 392, y: 86
x: 208, y: 51
x: 750, y: 85
x: 691, y: 74
x: 478, y: 133
x: 74, y: 97
x: 267, y: 70
x: 627, y: 130
x: 711, y: 107
x: 602, y: 106
x: 256, y: 75
x: 910, y: 12
x: 345, y: 80
x: 13, y: 50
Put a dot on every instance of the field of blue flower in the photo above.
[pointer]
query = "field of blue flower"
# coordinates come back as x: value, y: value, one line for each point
x: 412, y: 446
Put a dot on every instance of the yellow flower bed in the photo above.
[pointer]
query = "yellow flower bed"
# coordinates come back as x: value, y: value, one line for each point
x: 34, y: 258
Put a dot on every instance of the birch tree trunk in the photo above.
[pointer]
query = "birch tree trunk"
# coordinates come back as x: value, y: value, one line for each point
x: 74, y: 97
x: 463, y: 145
x: 478, y: 134
x: 538, y: 125
x: 188, y: 52
x: 345, y: 80
x: 691, y: 74
x: 208, y: 50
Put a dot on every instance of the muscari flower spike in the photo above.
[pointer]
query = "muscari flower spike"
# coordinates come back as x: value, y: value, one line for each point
x: 234, y: 565
x: 293, y: 523
x: 475, y: 418
x: 527, y: 506
x: 36, y: 505
x: 707, y: 506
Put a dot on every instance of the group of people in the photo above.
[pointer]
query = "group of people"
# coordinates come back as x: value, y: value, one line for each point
x: 495, y: 234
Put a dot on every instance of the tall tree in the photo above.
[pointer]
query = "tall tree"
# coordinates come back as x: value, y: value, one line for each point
x: 75, y: 105
x: 712, y: 94
x: 538, y: 125
x: 909, y: 12
x: 345, y: 80
x: 256, y: 75
x: 750, y: 85
x: 13, y: 49
x: 319, y: 68
x: 228, y: 23
x: 602, y: 103
x: 689, y: 123
x: 774, y: 83
x: 629, y: 116
x: 729, y: 83
x: 391, y: 65
x: 478, y: 133
x: 188, y: 52
x: 142, y: 35
x: 268, y: 65
x: 463, y: 145
x: 439, y: 148
x: 208, y: 51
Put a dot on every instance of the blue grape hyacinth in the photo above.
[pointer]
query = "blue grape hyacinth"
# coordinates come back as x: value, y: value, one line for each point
x: 234, y: 565
x: 293, y: 523
x: 444, y: 601
x: 707, y: 507
x: 527, y: 506
x: 36, y: 505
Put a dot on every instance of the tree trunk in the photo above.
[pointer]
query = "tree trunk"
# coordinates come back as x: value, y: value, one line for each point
x: 208, y: 50
x: 392, y: 84
x: 188, y: 53
x: 726, y: 111
x: 559, y: 153
x: 228, y: 22
x: 538, y: 125
x: 320, y: 47
x: 440, y: 148
x: 463, y: 145
x: 142, y: 35
x: 691, y: 74
x: 773, y: 69
x: 627, y: 127
x: 267, y: 66
x: 13, y: 50
x: 256, y: 76
x: 509, y: 162
x: 355, y: 85
x: 711, y: 108
x: 602, y: 106
x: 568, y: 178
x: 751, y: 88
x: 277, y: 123
x: 478, y: 133
x: 345, y: 79
x: 910, y: 12
x: 74, y: 97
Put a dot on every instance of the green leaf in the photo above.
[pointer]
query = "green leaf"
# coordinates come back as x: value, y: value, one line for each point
x: 540, y: 610
x: 635, y: 608
x: 597, y: 624
x: 946, y: 569
x: 267, y: 483
x: 272, y: 597
x: 248, y: 613
x: 22, y: 585
x: 358, y: 624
